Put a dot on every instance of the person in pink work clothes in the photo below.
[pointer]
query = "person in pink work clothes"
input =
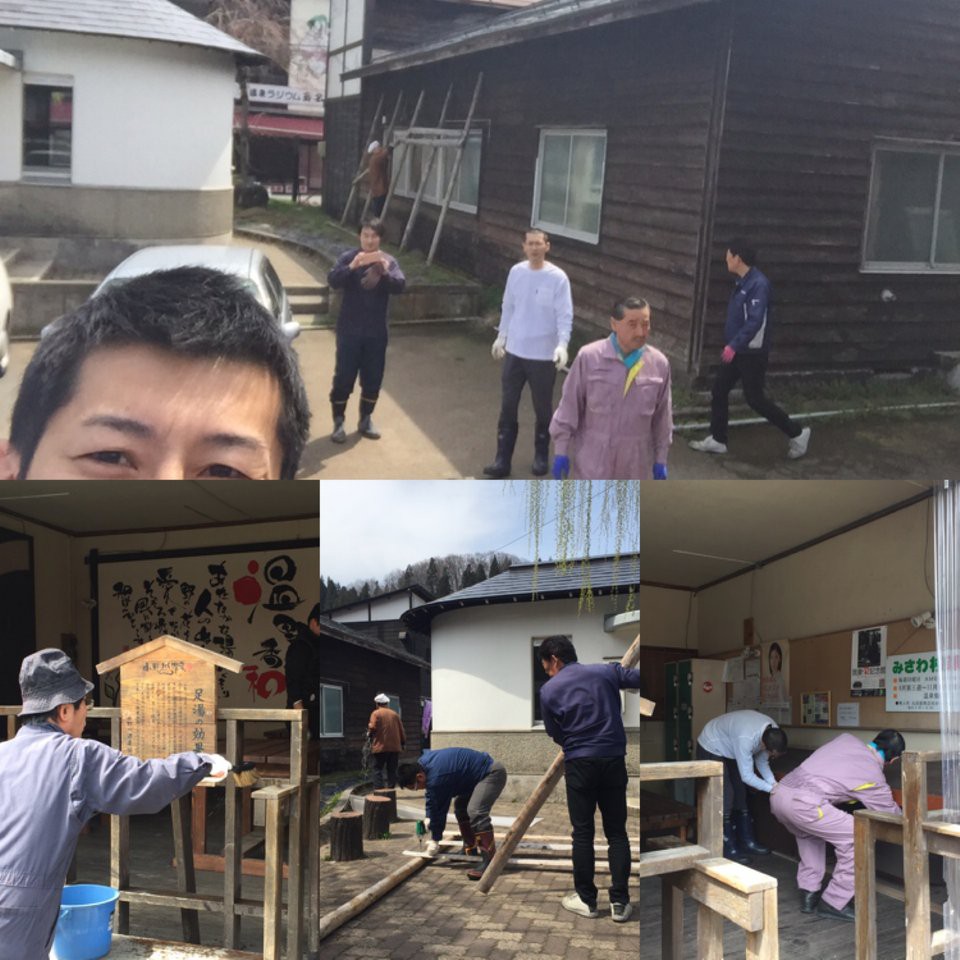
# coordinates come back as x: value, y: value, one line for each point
x: 845, y: 769
x: 615, y: 420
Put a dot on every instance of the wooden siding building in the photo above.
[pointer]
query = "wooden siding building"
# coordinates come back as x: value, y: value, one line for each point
x: 644, y: 134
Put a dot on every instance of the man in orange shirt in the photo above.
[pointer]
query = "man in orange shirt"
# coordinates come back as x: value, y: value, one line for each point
x: 385, y: 731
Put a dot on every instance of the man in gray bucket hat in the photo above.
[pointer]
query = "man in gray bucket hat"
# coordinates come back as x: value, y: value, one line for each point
x: 51, y: 783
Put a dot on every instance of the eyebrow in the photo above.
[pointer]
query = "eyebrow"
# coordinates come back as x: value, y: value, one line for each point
x: 143, y: 431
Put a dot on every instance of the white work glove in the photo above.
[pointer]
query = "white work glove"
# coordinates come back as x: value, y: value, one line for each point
x: 560, y: 356
x: 219, y: 768
x: 499, y: 348
x: 433, y: 848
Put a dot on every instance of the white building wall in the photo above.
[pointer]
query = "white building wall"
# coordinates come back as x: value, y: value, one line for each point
x: 145, y: 114
x: 483, y: 664
x: 390, y: 608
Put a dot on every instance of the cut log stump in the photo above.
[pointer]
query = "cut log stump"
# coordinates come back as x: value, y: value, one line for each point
x: 391, y: 794
x: 346, y: 837
x: 376, y: 818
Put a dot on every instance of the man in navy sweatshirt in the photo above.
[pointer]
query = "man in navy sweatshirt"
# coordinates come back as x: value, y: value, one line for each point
x: 580, y: 704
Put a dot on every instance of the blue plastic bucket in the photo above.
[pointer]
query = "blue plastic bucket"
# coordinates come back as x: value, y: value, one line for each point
x: 85, y: 929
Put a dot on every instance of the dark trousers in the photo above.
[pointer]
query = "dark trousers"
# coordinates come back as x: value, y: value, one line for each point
x: 599, y: 782
x: 385, y: 769
x: 751, y: 368
x: 376, y: 205
x: 734, y: 791
x: 366, y: 356
x: 541, y: 375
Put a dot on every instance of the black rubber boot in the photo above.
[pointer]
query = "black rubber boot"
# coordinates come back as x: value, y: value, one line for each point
x: 744, y: 826
x: 541, y: 453
x: 339, y: 435
x: 506, y: 439
x: 832, y: 913
x: 366, y: 429
x: 730, y: 849
x: 809, y: 900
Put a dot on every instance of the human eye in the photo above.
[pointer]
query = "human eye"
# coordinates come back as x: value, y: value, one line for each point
x: 220, y: 471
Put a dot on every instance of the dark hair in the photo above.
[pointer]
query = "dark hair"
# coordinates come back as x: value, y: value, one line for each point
x: 51, y: 715
x: 775, y: 739
x: 891, y: 742
x: 407, y: 774
x: 621, y: 307
x: 543, y: 233
x: 775, y: 646
x: 314, y: 613
x: 743, y: 249
x: 560, y: 647
x: 372, y: 223
x: 194, y: 312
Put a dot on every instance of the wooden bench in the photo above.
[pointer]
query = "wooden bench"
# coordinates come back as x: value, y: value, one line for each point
x: 664, y: 813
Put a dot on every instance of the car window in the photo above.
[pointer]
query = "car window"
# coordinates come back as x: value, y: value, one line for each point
x: 274, y: 287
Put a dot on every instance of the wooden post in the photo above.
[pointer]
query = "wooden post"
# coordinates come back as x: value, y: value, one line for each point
x: 391, y: 794
x: 337, y: 918
x: 916, y: 862
x: 186, y: 878
x: 313, y: 866
x: 376, y: 818
x: 399, y: 158
x: 764, y: 944
x: 710, y: 814
x: 537, y: 799
x: 346, y: 837
x: 709, y: 933
x: 232, y: 839
x: 296, y: 853
x: 865, y: 886
x: 119, y: 845
x: 671, y: 927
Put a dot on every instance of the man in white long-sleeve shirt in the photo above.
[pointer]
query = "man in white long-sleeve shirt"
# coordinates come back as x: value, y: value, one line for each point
x: 535, y: 323
x: 745, y: 741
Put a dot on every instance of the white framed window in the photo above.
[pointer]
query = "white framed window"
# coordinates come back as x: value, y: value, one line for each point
x: 913, y: 213
x: 466, y: 190
x: 47, y: 128
x: 568, y: 189
x: 331, y: 711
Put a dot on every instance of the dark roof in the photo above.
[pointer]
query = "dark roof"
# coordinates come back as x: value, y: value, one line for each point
x: 133, y: 19
x: 330, y: 628
x: 534, y: 22
x: 421, y: 592
x: 607, y: 575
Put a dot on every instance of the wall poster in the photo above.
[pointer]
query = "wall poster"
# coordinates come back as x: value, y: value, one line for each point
x: 868, y: 662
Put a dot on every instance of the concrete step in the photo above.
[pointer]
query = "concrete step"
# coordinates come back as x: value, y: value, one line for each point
x: 316, y: 321
x: 305, y: 289
x: 26, y: 267
x: 309, y: 303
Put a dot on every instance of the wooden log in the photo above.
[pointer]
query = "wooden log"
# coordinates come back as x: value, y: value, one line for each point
x: 376, y: 818
x: 368, y: 897
x: 537, y: 799
x: 391, y: 794
x: 346, y: 837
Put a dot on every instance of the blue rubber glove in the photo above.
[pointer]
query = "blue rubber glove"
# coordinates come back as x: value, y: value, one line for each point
x: 561, y: 467
x: 659, y: 471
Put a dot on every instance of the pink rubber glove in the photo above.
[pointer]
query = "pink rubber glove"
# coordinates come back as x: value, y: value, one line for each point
x: 728, y: 354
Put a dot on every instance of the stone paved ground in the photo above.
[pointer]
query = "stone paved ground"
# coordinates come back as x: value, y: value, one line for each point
x: 437, y: 913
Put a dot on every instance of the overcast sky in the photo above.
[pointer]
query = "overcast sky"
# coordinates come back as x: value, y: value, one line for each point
x: 369, y: 528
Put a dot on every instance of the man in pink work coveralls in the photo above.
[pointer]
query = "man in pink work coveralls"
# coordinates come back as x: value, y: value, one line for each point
x: 615, y: 419
x: 842, y: 770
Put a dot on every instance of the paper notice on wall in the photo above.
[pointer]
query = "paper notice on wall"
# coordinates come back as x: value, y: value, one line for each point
x: 868, y: 662
x: 774, y: 682
x: 733, y: 670
x: 744, y: 695
x: 913, y: 683
x: 848, y: 714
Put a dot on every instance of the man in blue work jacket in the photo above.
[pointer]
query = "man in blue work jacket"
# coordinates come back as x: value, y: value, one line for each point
x: 52, y: 782
x: 745, y: 357
x: 581, y: 708
x: 473, y: 780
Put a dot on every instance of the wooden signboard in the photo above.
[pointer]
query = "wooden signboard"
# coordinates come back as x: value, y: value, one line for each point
x: 168, y: 697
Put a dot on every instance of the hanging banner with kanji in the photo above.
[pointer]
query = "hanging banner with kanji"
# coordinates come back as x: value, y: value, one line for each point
x: 913, y: 683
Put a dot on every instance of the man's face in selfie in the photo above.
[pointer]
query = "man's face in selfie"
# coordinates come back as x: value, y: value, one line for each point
x: 143, y: 413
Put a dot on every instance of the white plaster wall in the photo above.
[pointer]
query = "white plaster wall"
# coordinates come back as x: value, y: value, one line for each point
x: 483, y: 664
x: 387, y: 609
x: 873, y: 574
x: 668, y: 618
x: 145, y: 114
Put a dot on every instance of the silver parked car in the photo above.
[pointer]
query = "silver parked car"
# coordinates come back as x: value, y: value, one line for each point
x: 248, y: 263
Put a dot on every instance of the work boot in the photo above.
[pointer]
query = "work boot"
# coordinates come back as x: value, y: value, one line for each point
x: 488, y: 848
x: 339, y: 435
x: 366, y: 428
x: 730, y: 849
x: 468, y: 836
x: 541, y: 453
x: 506, y: 438
x: 745, y: 834
x: 825, y: 910
x: 809, y: 900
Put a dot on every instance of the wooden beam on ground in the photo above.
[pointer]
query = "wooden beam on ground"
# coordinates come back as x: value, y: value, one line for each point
x: 537, y: 799
x: 356, y: 905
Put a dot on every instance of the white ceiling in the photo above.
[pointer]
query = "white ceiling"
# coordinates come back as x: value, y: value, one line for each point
x: 83, y: 508
x: 696, y: 531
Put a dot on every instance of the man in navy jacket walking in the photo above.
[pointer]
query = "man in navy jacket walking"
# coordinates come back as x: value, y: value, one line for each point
x: 580, y: 704
x: 745, y: 356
